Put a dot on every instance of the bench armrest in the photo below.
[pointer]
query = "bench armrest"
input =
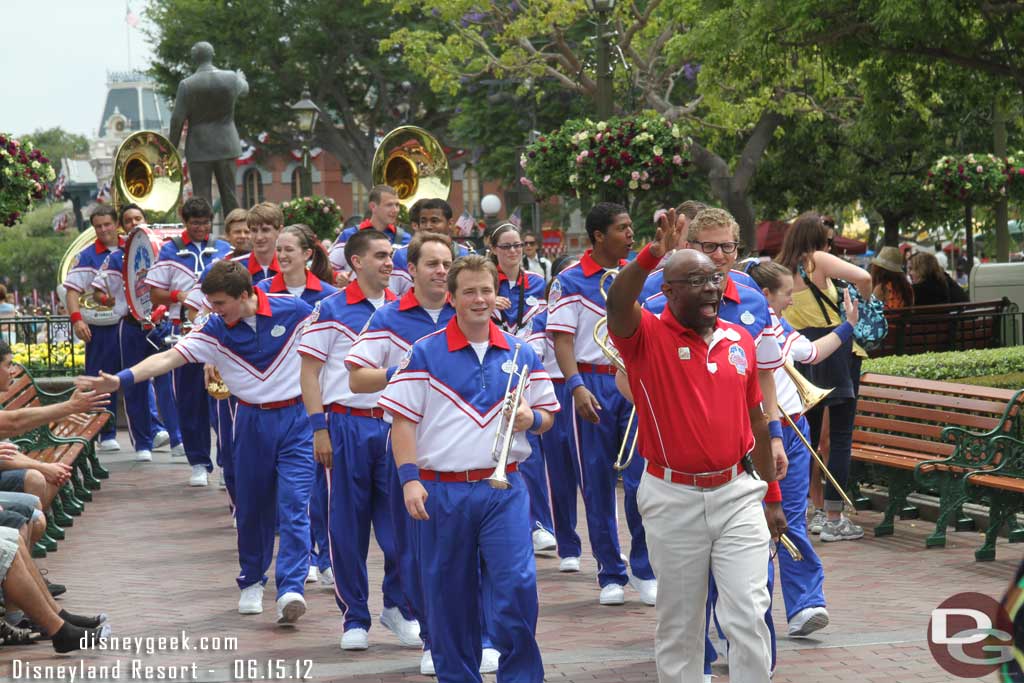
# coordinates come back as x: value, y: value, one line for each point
x: 1009, y: 455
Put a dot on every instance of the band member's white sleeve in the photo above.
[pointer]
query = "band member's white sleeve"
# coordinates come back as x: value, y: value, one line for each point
x: 406, y: 393
x: 198, y: 347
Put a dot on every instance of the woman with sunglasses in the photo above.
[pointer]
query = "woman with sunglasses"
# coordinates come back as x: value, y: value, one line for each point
x: 534, y: 260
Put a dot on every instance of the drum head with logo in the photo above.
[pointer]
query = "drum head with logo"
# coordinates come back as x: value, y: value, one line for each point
x: 140, y: 255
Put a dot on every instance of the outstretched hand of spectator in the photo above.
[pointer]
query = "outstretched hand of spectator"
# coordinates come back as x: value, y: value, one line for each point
x: 87, y: 401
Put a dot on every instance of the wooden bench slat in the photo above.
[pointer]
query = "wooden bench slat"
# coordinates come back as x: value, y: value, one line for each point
x: 978, y: 423
x: 903, y: 442
x: 926, y: 399
x: 941, y: 387
x: 902, y: 426
x: 995, y: 481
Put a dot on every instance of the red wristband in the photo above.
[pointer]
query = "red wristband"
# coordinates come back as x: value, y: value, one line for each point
x: 646, y: 260
x: 75, y: 317
x: 174, y: 295
x: 774, y: 494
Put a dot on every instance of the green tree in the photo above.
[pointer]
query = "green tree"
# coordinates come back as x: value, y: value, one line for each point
x: 283, y: 46
x: 30, y: 252
x: 57, y: 143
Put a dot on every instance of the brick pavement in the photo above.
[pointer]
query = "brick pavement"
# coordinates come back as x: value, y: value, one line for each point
x: 159, y: 558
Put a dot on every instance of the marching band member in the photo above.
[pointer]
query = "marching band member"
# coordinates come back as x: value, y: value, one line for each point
x: 562, y: 477
x: 170, y: 279
x: 701, y: 511
x: 251, y: 338
x: 520, y: 298
x: 237, y: 233
x: 349, y: 440
x: 434, y: 215
x: 101, y: 349
x: 467, y: 533
x: 575, y: 304
x: 374, y: 358
x: 297, y: 245
x: 384, y: 207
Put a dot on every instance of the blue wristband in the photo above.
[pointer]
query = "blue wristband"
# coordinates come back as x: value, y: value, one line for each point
x: 844, y: 331
x: 127, y: 378
x: 317, y: 421
x: 538, y: 420
x: 390, y: 372
x: 573, y: 382
x: 774, y: 429
x: 408, y: 472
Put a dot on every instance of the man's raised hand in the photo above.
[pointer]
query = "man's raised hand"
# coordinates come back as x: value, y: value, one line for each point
x: 667, y: 235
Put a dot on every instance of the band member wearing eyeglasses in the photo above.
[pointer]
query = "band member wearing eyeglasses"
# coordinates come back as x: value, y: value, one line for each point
x: 175, y: 273
x: 534, y: 260
x: 701, y: 507
x: 252, y: 339
x: 434, y: 215
x: 469, y: 534
x: 575, y: 304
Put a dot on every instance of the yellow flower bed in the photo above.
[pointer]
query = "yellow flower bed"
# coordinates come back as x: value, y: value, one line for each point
x: 56, y: 355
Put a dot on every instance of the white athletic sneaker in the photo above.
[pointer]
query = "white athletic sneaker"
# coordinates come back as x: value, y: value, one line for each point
x: 312, y: 575
x: 178, y: 451
x: 290, y: 607
x: 251, y: 601
x: 543, y: 541
x: 489, y: 660
x: 406, y: 630
x: 109, y: 445
x: 355, y: 639
x: 427, y: 664
x: 841, y: 530
x: 647, y: 588
x: 569, y: 564
x: 818, y: 519
x: 199, y: 476
x: 327, y: 577
x: 161, y: 438
x: 143, y: 456
x: 807, y: 621
x: 612, y: 594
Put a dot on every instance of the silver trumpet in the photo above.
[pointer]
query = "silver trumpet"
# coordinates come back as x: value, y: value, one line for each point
x: 505, y: 434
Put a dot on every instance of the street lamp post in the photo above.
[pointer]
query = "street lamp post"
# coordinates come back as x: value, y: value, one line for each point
x: 603, y: 8
x: 306, y: 115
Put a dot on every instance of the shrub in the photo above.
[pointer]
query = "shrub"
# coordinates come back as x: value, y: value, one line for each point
x: 951, y: 365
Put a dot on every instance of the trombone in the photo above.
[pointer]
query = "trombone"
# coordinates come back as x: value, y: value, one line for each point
x: 612, y: 354
x: 504, y: 435
x: 810, y: 396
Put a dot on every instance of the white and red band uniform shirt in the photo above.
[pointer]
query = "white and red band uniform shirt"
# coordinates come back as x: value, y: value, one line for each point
x: 801, y: 350
x: 198, y: 301
x: 401, y: 279
x: 527, y: 297
x: 455, y: 398
x: 336, y: 254
x: 84, y: 269
x: 258, y: 365
x: 110, y: 280
x: 692, y: 398
x: 179, y: 269
x: 543, y: 345
x: 314, y: 290
x: 575, y: 304
x: 333, y: 327
x: 392, y: 331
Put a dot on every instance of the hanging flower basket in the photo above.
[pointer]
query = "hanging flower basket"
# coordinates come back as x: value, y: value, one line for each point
x: 977, y: 179
x: 24, y: 176
x: 320, y: 213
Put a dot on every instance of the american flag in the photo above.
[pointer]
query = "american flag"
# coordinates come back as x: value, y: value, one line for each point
x: 60, y: 222
x: 516, y: 218
x: 103, y: 196
x: 58, y: 188
x: 130, y: 17
x: 465, y: 224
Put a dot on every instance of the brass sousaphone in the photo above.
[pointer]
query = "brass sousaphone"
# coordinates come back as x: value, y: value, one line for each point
x: 413, y: 162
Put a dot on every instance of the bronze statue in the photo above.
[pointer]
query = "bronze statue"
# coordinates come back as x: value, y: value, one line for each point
x: 206, y: 99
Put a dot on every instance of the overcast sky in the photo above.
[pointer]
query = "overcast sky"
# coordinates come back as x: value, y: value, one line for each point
x: 55, y: 58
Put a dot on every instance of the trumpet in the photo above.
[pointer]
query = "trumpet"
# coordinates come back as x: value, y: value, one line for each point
x: 505, y: 434
x: 622, y: 459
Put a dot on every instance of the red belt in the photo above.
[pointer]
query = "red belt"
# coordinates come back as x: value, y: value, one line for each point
x: 795, y: 418
x: 273, y: 404
x: 558, y: 380
x: 596, y: 369
x: 357, y: 412
x: 468, y: 475
x: 707, y: 480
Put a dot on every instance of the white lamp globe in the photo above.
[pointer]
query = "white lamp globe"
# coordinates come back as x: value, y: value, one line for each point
x: 490, y: 204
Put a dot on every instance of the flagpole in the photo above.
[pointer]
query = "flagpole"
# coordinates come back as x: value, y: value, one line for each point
x: 128, y: 33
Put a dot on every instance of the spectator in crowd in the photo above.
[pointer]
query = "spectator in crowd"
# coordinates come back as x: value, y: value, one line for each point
x: 888, y: 281
x: 533, y: 258
x: 932, y: 285
x: 815, y: 314
x: 7, y: 309
x: 830, y: 228
x: 238, y: 233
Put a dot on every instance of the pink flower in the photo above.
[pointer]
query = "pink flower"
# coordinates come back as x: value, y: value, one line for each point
x: 608, y: 177
x: 646, y: 186
x: 677, y: 160
x: 635, y: 175
x: 326, y: 210
x: 528, y: 184
x: 598, y: 137
x: 980, y: 169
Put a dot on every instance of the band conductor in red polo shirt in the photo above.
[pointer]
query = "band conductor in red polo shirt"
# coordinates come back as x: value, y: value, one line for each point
x: 694, y: 380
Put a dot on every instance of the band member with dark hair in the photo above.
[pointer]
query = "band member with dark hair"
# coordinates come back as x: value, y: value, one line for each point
x: 468, y: 534
x: 575, y: 304
x: 700, y: 501
x: 175, y: 273
x: 101, y: 347
x: 350, y: 442
x: 434, y: 216
x: 251, y: 338
x: 384, y: 208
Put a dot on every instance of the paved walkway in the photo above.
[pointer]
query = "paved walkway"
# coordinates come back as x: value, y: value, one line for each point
x: 159, y: 558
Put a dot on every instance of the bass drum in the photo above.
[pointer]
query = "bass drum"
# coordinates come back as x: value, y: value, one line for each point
x: 140, y: 254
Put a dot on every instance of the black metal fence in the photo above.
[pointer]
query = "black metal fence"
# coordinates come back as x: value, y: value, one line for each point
x: 953, y: 327
x: 44, y: 344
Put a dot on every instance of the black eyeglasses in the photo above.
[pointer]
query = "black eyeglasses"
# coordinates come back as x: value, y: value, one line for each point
x: 529, y: 244
x: 509, y: 246
x: 698, y: 281
x: 710, y: 247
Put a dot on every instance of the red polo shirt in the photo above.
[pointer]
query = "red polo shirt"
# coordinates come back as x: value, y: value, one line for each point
x: 692, y: 398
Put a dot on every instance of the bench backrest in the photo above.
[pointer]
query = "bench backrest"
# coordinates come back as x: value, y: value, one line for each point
x: 944, y: 327
x: 21, y: 393
x: 906, y: 414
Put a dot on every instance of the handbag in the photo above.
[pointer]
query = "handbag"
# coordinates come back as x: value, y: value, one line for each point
x: 872, y: 326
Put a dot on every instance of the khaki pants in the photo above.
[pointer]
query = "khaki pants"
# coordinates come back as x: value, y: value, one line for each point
x: 689, y: 532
